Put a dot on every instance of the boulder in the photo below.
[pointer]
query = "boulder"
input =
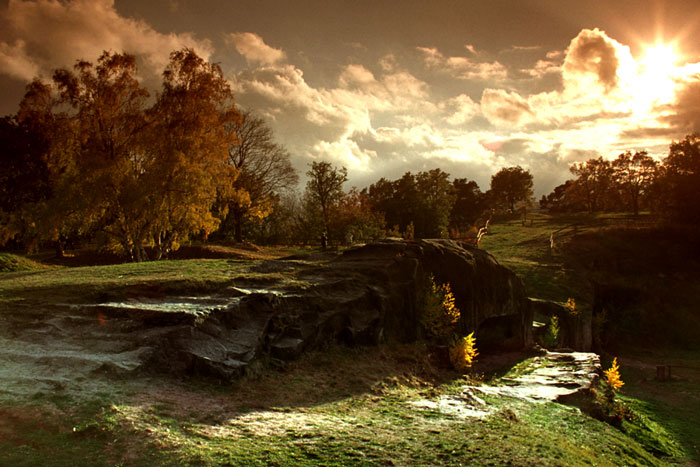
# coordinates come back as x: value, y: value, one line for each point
x: 367, y: 295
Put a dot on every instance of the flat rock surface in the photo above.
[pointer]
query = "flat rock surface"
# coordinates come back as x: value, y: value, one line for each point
x: 553, y: 377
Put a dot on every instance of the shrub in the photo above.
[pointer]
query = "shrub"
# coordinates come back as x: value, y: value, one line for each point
x: 463, y: 352
x: 612, y: 376
x: 551, y: 337
x: 440, y: 315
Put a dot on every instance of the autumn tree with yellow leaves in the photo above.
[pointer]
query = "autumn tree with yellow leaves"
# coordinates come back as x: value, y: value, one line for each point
x: 133, y: 175
x: 188, y: 147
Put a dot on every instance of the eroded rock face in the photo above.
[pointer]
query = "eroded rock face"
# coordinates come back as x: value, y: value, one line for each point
x: 367, y: 295
x: 575, y: 328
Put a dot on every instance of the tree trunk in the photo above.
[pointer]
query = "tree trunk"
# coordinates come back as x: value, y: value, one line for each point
x: 237, y: 230
x: 59, y: 248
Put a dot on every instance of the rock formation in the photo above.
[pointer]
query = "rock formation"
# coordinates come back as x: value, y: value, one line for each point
x: 367, y: 295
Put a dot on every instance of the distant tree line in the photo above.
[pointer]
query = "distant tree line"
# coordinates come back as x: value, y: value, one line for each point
x: 93, y: 155
x: 423, y: 205
x: 634, y: 182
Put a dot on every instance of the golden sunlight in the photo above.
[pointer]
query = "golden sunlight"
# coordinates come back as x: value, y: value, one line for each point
x: 656, y: 70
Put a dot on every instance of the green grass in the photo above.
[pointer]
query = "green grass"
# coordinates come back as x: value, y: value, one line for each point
x: 89, y: 284
x: 340, y: 406
x: 526, y: 251
x: 672, y: 406
x: 11, y: 263
x: 664, y: 276
x: 337, y: 407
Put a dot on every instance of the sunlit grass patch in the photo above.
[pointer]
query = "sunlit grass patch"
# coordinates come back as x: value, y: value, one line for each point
x: 91, y: 284
x: 13, y: 263
x: 336, y: 407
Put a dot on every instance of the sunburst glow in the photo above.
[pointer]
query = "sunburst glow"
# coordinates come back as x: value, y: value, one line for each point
x: 657, y: 69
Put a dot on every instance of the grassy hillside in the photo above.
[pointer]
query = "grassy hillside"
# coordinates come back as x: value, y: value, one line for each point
x: 345, y: 406
x: 643, y: 281
x: 11, y: 263
x: 339, y: 407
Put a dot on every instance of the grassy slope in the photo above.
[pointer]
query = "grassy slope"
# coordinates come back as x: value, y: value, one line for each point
x: 74, y: 280
x: 640, y: 261
x: 90, y: 283
x: 13, y: 263
x: 338, y: 407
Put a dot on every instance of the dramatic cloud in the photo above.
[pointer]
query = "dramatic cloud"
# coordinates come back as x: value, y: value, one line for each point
x: 378, y: 118
x: 15, y: 61
x: 592, y: 54
x: 254, y: 49
x: 684, y: 116
x: 39, y: 36
x: 459, y: 109
x: 384, y: 108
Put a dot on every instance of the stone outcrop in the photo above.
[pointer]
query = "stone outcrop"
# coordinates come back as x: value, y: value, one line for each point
x: 575, y: 328
x: 367, y: 295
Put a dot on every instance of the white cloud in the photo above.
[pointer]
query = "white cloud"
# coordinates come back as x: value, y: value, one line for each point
x: 16, y: 62
x: 465, y: 68
x: 254, y: 49
x: 388, y: 63
x: 503, y: 107
x: 43, y: 35
x: 459, y: 109
x: 386, y: 120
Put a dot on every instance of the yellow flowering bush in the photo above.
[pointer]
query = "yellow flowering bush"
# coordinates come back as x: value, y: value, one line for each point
x: 612, y: 376
x: 440, y: 315
x: 463, y: 352
x: 439, y: 319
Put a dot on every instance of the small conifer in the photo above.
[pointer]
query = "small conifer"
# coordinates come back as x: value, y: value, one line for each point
x: 612, y: 375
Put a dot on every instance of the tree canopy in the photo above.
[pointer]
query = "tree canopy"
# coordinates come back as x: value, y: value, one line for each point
x: 325, y: 187
x: 132, y: 175
x: 511, y: 185
x: 264, y: 171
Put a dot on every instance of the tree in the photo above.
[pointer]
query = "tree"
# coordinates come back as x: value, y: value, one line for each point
x: 634, y: 175
x: 24, y: 178
x: 97, y: 153
x: 435, y: 204
x: 469, y: 204
x: 563, y: 199
x: 594, y: 183
x: 188, y: 147
x: 325, y: 187
x: 678, y: 183
x: 419, y: 203
x: 264, y: 169
x: 405, y: 203
x: 354, y: 215
x: 381, y: 198
x: 511, y: 185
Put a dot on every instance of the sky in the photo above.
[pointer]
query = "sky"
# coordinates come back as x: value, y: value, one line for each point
x: 391, y: 86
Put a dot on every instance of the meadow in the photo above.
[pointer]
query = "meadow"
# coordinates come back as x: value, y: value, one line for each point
x: 350, y: 406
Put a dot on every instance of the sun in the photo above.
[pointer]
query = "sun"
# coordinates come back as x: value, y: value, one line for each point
x: 656, y: 70
x: 659, y: 59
